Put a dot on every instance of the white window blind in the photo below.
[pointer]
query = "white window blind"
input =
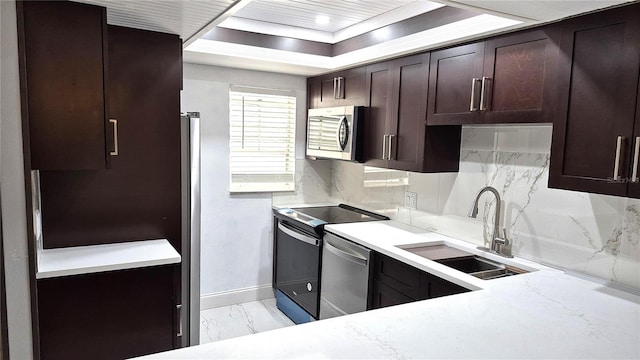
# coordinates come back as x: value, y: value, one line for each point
x: 262, y: 139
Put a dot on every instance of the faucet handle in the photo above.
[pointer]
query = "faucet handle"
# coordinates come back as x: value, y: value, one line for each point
x: 502, y: 240
x: 503, y: 244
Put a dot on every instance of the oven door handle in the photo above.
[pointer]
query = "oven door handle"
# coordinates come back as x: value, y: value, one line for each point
x: 345, y: 255
x: 296, y: 235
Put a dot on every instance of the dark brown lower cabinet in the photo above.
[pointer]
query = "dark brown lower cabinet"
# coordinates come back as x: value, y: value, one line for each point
x: 432, y: 286
x: 384, y: 296
x: 109, y: 315
x: 395, y: 283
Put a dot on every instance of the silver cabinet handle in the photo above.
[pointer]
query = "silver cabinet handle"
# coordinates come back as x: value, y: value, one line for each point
x: 115, y: 137
x: 384, y: 146
x: 345, y: 255
x: 483, y: 97
x: 340, y: 94
x: 296, y: 235
x: 179, y: 309
x: 636, y: 152
x: 616, y: 166
x: 335, y: 88
x: 390, y: 146
x: 473, y: 106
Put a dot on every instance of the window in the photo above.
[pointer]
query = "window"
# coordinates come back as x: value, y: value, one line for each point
x: 262, y: 139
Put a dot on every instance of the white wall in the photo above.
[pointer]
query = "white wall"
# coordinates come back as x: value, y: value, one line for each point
x: 236, y: 230
x: 593, y: 234
x: 14, y: 231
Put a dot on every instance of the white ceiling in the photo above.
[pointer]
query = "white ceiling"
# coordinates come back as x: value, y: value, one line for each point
x: 539, y: 10
x: 191, y: 19
x: 302, y: 13
x: 182, y: 17
x: 297, y: 18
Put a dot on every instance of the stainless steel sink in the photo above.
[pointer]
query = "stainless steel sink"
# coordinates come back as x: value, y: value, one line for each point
x: 471, y: 264
x: 466, y: 262
x: 481, y: 268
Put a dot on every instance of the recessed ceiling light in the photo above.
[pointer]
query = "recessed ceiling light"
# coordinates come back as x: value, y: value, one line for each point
x: 322, y: 20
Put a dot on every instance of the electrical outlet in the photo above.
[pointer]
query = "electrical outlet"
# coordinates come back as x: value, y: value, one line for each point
x: 410, y: 200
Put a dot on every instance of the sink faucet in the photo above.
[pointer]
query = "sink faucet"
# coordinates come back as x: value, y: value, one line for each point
x: 498, y: 245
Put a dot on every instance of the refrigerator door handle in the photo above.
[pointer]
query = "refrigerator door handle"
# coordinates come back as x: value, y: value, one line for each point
x: 179, y: 309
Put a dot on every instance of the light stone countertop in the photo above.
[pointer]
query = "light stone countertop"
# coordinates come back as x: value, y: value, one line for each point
x: 106, y: 257
x: 539, y: 315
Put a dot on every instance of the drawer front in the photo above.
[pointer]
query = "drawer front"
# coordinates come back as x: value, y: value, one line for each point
x: 383, y: 296
x: 397, y: 275
x: 437, y: 287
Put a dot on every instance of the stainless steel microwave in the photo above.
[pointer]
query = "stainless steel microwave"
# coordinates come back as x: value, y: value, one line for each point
x: 335, y: 133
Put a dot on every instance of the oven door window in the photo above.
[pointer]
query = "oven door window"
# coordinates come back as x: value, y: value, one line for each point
x: 297, y: 267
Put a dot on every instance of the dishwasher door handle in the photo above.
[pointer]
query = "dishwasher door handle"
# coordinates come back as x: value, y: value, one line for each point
x: 345, y: 255
x: 296, y: 235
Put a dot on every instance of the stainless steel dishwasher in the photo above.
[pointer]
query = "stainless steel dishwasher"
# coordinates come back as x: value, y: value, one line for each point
x: 345, y: 277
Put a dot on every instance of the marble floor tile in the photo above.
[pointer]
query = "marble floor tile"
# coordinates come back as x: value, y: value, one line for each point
x: 241, y: 319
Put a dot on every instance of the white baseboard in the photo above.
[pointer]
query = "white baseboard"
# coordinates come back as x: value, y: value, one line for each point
x: 238, y: 296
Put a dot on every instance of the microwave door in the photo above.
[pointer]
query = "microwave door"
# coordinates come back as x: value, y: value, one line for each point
x: 323, y: 133
x: 331, y: 133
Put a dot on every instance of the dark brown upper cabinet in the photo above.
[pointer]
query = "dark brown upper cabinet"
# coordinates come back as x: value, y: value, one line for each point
x: 596, y: 135
x: 337, y: 89
x: 396, y: 135
x: 63, y: 67
x: 139, y: 197
x: 507, y: 79
x: 453, y: 87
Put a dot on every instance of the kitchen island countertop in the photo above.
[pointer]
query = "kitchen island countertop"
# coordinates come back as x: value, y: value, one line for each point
x: 543, y: 314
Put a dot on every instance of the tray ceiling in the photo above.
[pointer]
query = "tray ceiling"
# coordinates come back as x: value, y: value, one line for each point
x: 303, y: 13
x: 347, y: 19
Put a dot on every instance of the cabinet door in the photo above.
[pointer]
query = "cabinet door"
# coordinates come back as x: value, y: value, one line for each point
x: 377, y: 113
x: 313, y: 92
x: 398, y: 275
x: 111, y: 315
x: 597, y: 85
x: 328, y: 91
x: 353, y: 86
x: 437, y: 287
x: 521, y: 71
x: 451, y: 81
x: 409, y: 106
x: 633, y: 189
x: 63, y: 67
x: 140, y: 196
x: 384, y: 296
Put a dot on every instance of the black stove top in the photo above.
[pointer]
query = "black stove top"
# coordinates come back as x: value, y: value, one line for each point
x: 314, y: 218
x: 338, y: 214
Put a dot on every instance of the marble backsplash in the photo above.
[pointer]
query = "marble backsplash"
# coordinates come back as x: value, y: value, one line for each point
x: 593, y: 234
x: 597, y: 235
x: 313, y: 184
